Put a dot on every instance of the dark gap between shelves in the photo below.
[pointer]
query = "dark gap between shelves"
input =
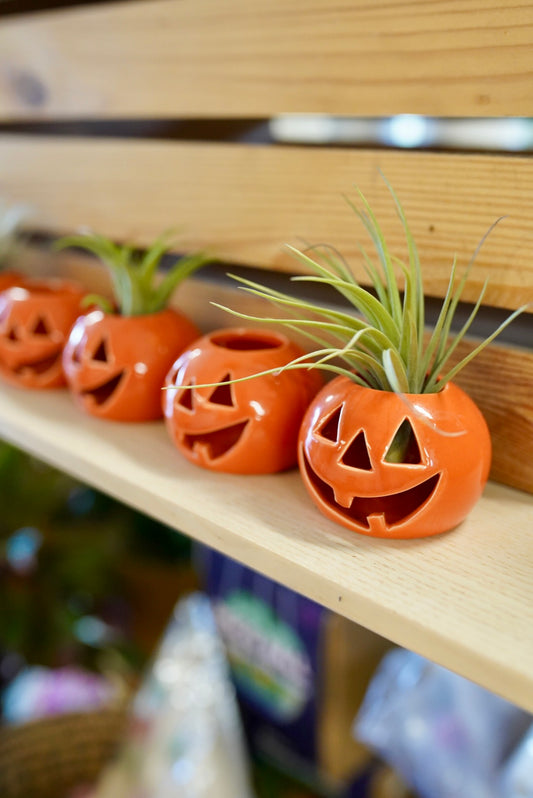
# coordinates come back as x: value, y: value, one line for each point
x: 262, y: 131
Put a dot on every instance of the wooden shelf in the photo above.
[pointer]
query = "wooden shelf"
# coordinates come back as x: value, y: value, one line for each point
x: 464, y: 599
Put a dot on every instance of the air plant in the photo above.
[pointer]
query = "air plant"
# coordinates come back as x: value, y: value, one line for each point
x: 116, y: 361
x: 133, y: 273
x: 384, y: 346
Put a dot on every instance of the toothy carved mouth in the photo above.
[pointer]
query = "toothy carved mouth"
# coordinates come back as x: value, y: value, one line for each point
x: 217, y: 442
x: 39, y: 367
x: 104, y: 392
x: 393, y: 509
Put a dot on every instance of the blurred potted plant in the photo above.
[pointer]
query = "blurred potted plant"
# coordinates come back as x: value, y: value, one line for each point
x: 89, y: 584
x: 36, y: 317
x: 116, y: 359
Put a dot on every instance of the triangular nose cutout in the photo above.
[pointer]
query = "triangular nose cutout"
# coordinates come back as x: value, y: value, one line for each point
x: 222, y: 394
x: 330, y: 428
x: 101, y: 353
x: 41, y: 327
x: 356, y: 455
x: 404, y: 447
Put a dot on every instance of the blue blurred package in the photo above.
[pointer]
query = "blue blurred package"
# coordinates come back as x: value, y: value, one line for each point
x: 445, y: 735
x: 300, y: 671
x: 517, y: 775
x: 184, y: 739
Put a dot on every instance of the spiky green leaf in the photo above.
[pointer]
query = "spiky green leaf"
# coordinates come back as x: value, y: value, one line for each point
x: 136, y: 286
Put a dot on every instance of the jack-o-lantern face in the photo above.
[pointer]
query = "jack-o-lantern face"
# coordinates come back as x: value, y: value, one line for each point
x: 35, y: 321
x: 246, y: 427
x: 374, y: 465
x: 116, y: 365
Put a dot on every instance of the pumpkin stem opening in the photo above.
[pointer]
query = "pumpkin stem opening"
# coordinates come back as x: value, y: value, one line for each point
x: 246, y: 342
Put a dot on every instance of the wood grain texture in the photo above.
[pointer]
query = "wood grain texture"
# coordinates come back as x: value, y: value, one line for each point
x: 244, y: 202
x: 464, y: 599
x: 500, y: 379
x: 245, y: 57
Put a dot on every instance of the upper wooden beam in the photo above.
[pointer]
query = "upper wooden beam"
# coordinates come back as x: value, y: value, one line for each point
x: 201, y: 58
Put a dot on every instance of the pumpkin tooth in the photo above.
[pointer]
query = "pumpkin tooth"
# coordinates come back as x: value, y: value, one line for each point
x: 344, y: 499
x: 377, y: 524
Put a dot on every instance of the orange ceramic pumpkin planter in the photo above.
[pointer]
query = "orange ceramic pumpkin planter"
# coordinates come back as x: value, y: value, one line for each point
x: 248, y: 427
x: 35, y: 321
x: 115, y: 365
x: 10, y: 279
x: 344, y: 445
x: 391, y: 447
x: 116, y: 362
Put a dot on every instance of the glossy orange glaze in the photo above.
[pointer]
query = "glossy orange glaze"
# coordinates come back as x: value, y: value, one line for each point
x: 8, y: 279
x: 246, y: 427
x: 343, y: 448
x: 116, y: 365
x: 35, y: 320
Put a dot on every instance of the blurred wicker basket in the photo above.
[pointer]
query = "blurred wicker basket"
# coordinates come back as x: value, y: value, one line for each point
x: 46, y: 758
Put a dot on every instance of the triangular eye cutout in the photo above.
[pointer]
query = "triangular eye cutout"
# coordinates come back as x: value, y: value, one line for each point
x: 41, y: 327
x: 101, y: 353
x: 404, y: 447
x: 222, y: 394
x: 330, y: 427
x: 356, y: 455
x: 186, y: 397
x: 12, y: 335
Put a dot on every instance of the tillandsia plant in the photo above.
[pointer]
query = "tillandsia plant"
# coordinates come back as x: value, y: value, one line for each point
x: 116, y: 362
x: 385, y: 347
x: 133, y: 273
x: 391, y: 447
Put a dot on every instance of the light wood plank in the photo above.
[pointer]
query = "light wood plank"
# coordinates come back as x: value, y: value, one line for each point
x: 244, y: 57
x: 499, y: 380
x: 464, y: 599
x: 244, y: 203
